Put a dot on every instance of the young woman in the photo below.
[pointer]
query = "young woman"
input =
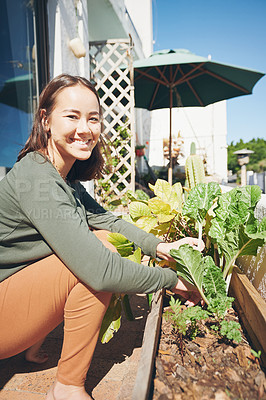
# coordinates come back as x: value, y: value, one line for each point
x: 53, y: 268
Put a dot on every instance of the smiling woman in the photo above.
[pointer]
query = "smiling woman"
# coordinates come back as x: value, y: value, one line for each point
x: 48, y: 240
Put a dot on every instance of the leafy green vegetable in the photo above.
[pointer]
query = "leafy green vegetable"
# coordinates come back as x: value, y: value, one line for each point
x: 139, y: 195
x: 146, y: 223
x: 112, y: 320
x: 219, y: 305
x: 213, y: 282
x: 123, y: 245
x: 190, y: 265
x: 185, y: 320
x: 230, y: 329
x: 255, y: 353
x: 171, y: 195
x: 200, y: 271
x: 235, y: 207
x: 138, y: 209
x: 235, y: 243
x: 200, y: 200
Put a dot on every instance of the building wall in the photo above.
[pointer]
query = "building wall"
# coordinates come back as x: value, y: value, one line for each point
x: 205, y: 126
x: 66, y: 21
x: 140, y: 12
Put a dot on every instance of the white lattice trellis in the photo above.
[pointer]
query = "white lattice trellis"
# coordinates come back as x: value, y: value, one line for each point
x: 116, y: 90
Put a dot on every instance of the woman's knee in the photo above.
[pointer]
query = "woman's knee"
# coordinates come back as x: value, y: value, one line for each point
x: 82, y: 297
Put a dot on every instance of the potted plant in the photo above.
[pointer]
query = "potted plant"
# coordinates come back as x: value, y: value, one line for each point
x: 140, y: 150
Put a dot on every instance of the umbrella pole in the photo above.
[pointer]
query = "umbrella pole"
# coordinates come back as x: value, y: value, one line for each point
x: 170, y: 169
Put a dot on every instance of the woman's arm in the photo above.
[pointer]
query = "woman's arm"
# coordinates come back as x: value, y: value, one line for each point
x: 54, y: 213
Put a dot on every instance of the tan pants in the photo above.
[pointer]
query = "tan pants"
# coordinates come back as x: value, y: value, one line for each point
x: 39, y: 297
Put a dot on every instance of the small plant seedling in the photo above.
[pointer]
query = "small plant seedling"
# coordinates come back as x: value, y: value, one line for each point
x: 255, y: 353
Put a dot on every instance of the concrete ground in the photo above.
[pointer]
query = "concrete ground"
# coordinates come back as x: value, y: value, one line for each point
x: 110, y: 377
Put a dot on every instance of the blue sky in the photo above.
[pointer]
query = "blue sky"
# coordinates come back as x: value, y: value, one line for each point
x: 232, y: 32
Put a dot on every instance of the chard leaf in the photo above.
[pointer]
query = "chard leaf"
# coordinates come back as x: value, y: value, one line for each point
x: 125, y: 249
x: 138, y: 209
x: 117, y: 239
x: 172, y: 195
x: 235, y: 207
x: 162, y: 189
x: 111, y: 320
x: 122, y: 244
x: 146, y: 223
x: 136, y: 256
x: 127, y: 217
x: 213, y: 281
x: 137, y: 196
x: 165, y: 218
x: 177, y: 201
x: 161, y: 229
x: 238, y: 243
x: 234, y: 228
x: 200, y: 200
x: 158, y: 206
x: 217, y: 231
x: 256, y: 230
x: 190, y: 266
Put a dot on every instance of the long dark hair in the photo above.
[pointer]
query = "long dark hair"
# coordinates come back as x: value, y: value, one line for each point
x: 38, y: 139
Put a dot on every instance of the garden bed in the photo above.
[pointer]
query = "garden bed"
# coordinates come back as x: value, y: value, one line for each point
x: 206, y: 367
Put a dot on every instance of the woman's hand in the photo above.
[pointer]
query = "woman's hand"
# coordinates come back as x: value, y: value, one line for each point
x: 163, y: 249
x: 188, y: 292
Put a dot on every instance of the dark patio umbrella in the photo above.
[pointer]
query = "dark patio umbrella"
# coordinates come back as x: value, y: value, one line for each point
x: 17, y: 92
x: 179, y: 78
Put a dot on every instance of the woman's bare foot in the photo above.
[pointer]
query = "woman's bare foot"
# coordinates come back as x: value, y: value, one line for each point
x: 35, y: 354
x: 59, y: 391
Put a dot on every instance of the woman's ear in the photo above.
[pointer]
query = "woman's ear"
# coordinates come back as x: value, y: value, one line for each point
x: 44, y: 120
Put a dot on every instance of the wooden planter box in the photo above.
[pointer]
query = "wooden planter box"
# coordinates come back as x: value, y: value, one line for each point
x: 251, y: 309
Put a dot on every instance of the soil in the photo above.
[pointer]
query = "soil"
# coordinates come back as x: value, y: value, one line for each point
x: 206, y: 367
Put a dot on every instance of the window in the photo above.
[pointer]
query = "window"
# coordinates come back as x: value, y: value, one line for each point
x: 20, y: 77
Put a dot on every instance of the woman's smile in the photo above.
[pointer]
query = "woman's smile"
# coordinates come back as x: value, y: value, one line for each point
x: 81, y: 142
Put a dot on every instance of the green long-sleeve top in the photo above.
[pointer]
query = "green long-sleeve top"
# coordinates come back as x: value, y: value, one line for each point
x: 40, y: 215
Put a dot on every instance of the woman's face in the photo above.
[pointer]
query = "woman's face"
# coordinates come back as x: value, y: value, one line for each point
x: 74, y: 125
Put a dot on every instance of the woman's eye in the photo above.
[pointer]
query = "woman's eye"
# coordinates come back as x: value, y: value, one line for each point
x: 94, y: 119
x: 72, y: 116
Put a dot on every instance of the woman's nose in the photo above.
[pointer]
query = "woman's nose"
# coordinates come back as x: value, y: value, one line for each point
x: 83, y: 126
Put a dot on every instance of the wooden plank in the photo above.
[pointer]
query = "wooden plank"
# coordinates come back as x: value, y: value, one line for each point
x: 149, y: 347
x: 251, y: 309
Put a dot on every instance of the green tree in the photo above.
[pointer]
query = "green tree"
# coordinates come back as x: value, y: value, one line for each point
x: 257, y: 161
